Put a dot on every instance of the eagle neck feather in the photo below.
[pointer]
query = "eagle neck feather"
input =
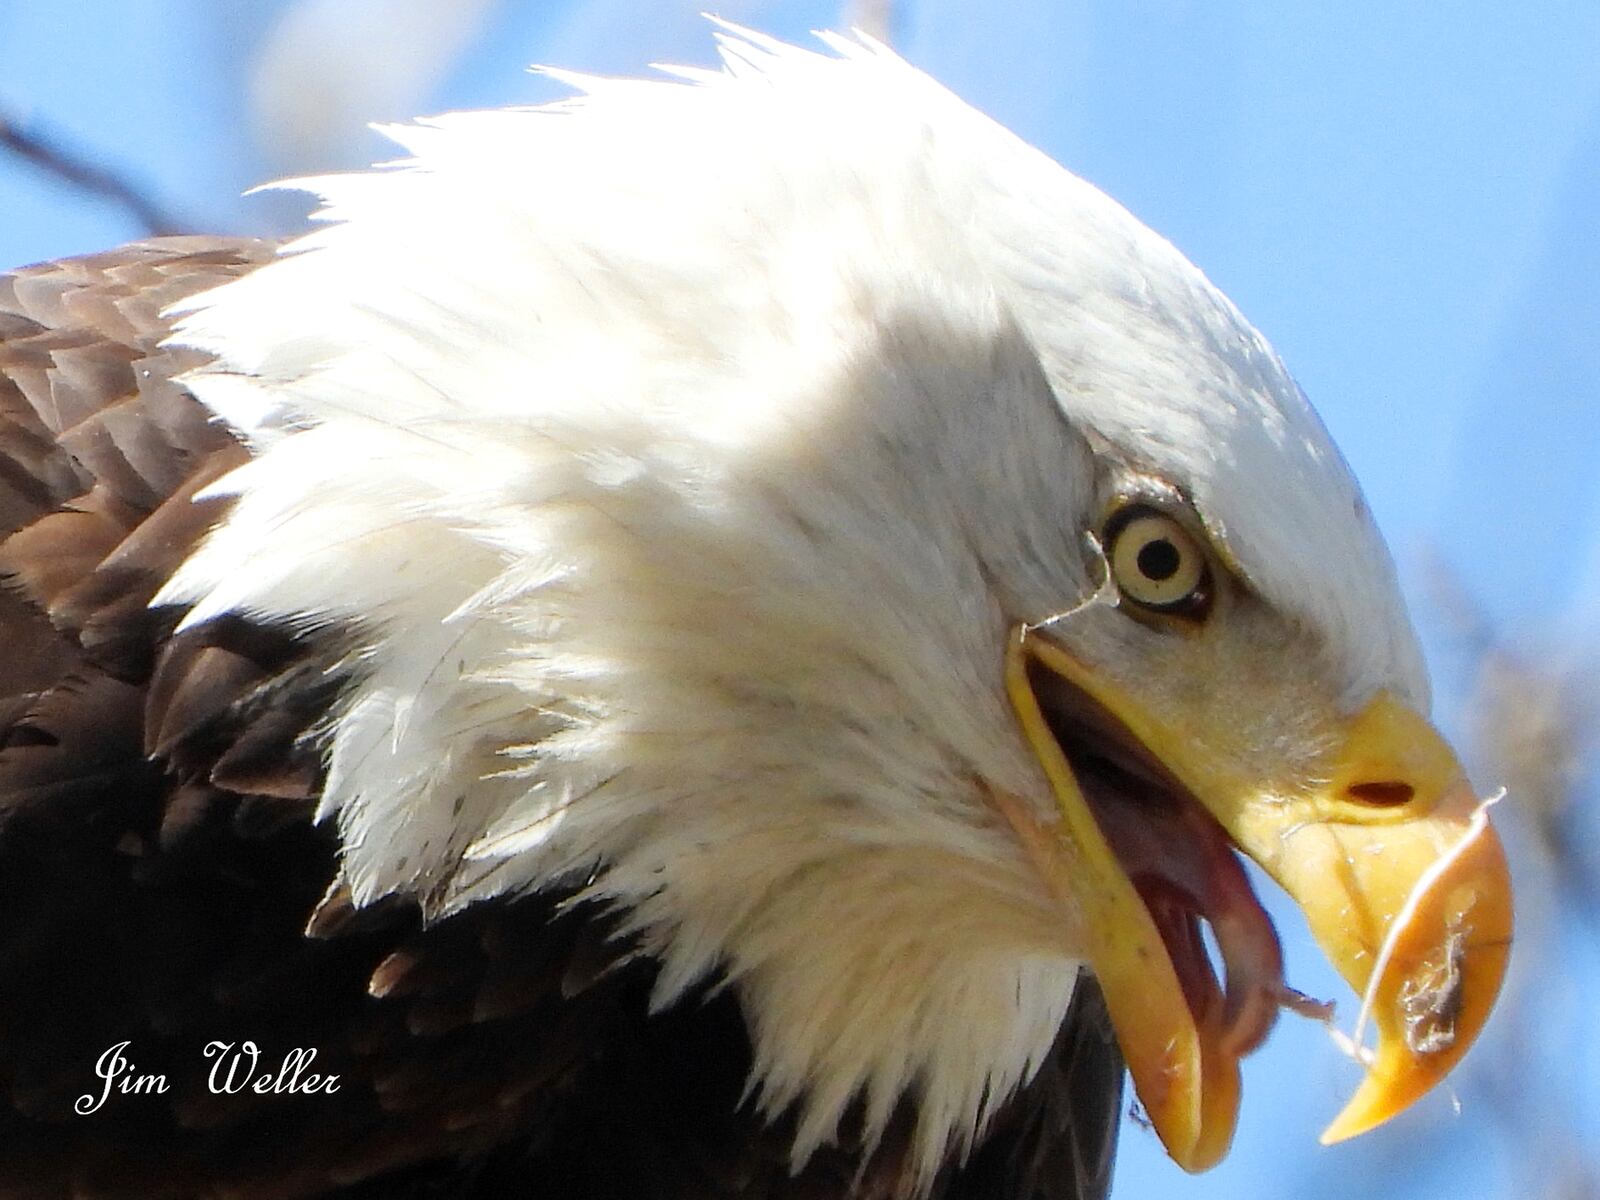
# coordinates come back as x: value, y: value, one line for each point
x: 732, y: 658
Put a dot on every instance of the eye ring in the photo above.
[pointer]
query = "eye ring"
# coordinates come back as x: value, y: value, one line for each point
x: 1157, y: 563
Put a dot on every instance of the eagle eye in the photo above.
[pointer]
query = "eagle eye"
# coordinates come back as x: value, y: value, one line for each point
x: 1157, y: 563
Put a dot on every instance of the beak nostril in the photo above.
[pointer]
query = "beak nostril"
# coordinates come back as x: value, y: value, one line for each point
x: 1387, y: 793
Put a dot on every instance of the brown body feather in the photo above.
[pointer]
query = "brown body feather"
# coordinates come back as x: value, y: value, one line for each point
x: 162, y: 882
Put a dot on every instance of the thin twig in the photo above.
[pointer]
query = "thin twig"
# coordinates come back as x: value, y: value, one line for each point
x: 77, y: 171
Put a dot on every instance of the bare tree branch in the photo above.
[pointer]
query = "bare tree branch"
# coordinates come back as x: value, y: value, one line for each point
x: 1536, y: 725
x: 873, y: 17
x: 78, y: 171
x: 1533, y: 721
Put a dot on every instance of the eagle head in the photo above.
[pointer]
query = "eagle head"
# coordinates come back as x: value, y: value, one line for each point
x: 787, y: 505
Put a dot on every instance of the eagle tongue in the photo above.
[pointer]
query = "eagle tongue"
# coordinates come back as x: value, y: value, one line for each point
x: 1251, y: 954
x: 1185, y: 869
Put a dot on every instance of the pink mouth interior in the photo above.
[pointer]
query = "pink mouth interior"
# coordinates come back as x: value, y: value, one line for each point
x: 1182, y: 865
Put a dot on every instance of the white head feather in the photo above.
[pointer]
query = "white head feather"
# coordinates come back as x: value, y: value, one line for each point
x: 685, y: 451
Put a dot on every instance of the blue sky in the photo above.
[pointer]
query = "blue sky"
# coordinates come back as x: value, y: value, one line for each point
x: 1402, y: 196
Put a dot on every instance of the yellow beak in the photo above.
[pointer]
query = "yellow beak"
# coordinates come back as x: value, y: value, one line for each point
x: 1402, y: 880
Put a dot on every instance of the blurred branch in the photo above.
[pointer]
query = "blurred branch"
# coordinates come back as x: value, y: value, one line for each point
x: 1532, y: 724
x: 81, y: 173
x: 872, y: 17
x: 1532, y: 718
x: 1537, y: 726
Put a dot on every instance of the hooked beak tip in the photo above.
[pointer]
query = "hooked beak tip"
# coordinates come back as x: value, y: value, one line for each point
x: 1435, y: 979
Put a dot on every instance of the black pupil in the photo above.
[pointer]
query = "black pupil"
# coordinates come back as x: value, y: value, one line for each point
x: 1158, y: 560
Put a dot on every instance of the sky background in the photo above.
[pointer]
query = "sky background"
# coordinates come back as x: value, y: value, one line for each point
x: 1403, y: 196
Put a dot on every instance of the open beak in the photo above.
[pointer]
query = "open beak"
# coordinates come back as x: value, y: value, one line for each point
x: 1389, y: 855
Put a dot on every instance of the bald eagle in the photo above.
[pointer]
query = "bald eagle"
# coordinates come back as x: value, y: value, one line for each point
x: 718, y: 638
